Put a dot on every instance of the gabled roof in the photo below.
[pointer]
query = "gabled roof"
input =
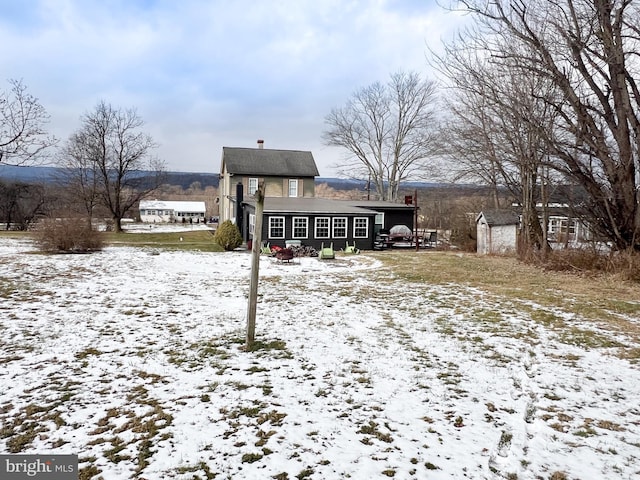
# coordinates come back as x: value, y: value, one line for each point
x: 268, y: 163
x: 499, y: 217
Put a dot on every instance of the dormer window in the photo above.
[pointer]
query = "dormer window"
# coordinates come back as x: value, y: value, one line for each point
x: 293, y: 187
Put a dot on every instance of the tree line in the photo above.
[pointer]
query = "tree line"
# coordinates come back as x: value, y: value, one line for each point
x: 532, y: 96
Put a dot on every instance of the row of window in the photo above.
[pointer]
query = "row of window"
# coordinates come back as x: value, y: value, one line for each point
x: 171, y: 212
x: 559, y: 225
x: 323, y: 227
x: 156, y: 212
x: 292, y: 192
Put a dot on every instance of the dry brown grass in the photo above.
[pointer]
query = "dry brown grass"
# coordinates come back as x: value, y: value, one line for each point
x: 508, y: 276
x: 606, y: 299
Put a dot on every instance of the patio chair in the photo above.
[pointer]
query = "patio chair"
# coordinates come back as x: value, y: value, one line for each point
x: 265, y: 249
x: 326, y: 252
x: 351, y: 248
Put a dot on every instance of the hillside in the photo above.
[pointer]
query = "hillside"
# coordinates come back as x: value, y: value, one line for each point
x: 187, y: 179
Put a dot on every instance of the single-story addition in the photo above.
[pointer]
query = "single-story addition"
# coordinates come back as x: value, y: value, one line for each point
x: 168, y: 211
x: 496, y: 231
x: 315, y: 221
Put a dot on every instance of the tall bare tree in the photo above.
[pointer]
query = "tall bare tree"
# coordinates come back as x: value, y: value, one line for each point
x: 80, y: 177
x: 109, y: 160
x: 23, y: 138
x: 494, y: 130
x: 387, y: 131
x: 588, y: 50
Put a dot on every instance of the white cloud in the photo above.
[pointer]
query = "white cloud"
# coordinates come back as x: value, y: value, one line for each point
x: 204, y: 74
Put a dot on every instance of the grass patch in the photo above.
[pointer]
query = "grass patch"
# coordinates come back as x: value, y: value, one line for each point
x: 198, y: 240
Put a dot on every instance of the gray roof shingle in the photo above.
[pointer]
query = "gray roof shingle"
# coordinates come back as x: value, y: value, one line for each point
x: 309, y: 205
x: 500, y: 217
x: 268, y: 162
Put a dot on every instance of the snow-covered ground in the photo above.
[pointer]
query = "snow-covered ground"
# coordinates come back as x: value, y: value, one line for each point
x: 133, y: 360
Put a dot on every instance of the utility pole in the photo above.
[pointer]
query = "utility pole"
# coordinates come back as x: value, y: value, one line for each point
x: 255, y: 266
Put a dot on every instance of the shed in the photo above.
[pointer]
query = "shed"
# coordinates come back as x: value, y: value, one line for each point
x: 496, y: 231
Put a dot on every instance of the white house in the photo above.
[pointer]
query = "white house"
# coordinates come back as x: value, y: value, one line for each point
x: 158, y: 211
x: 496, y: 231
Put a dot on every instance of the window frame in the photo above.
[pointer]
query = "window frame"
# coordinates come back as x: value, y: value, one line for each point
x: 316, y: 227
x: 251, y: 189
x: 365, y: 227
x: 272, y: 227
x: 292, y: 182
x: 294, y: 227
x: 335, y: 220
x: 252, y: 224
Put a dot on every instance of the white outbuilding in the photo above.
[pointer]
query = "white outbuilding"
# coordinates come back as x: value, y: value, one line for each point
x: 497, y: 231
x: 169, y: 211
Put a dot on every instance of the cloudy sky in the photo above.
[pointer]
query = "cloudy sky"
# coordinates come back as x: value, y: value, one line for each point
x: 204, y: 74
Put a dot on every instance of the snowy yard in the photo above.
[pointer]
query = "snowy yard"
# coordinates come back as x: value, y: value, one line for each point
x: 132, y: 358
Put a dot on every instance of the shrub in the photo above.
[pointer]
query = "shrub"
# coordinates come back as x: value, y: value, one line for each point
x: 228, y: 236
x: 625, y: 265
x: 71, y: 235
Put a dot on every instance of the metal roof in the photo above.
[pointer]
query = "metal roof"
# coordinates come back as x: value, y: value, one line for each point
x: 176, y: 206
x: 499, y: 217
x: 378, y: 204
x: 309, y: 205
x: 268, y: 162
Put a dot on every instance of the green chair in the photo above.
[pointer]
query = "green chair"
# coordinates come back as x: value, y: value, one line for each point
x: 265, y: 249
x: 326, y: 252
x: 351, y: 248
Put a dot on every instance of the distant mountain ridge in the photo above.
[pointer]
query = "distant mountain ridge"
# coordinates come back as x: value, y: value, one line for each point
x: 183, y: 179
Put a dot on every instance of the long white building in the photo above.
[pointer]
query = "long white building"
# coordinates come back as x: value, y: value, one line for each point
x: 167, y: 211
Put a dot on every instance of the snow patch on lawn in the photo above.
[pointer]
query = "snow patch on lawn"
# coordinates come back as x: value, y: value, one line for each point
x: 133, y: 360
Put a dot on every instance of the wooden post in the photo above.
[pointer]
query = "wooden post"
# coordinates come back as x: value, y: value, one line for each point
x: 255, y: 266
x: 415, y: 217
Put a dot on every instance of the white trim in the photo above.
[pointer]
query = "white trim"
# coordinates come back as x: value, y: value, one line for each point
x: 293, y: 227
x: 252, y: 224
x: 252, y: 189
x: 328, y: 227
x: 293, y: 192
x: 333, y: 226
x: 366, y: 227
x: 271, y: 219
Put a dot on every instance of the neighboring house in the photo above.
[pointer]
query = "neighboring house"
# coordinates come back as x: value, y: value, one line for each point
x: 565, y: 228
x: 291, y: 209
x: 564, y: 210
x: 496, y: 231
x: 159, y: 211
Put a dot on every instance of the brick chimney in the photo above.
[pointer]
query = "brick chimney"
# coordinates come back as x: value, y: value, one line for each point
x: 260, y: 144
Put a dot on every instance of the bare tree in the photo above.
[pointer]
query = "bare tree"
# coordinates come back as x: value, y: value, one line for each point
x: 110, y: 161
x: 21, y: 204
x: 494, y: 130
x: 80, y: 177
x: 387, y: 130
x: 588, y: 51
x: 22, y: 119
